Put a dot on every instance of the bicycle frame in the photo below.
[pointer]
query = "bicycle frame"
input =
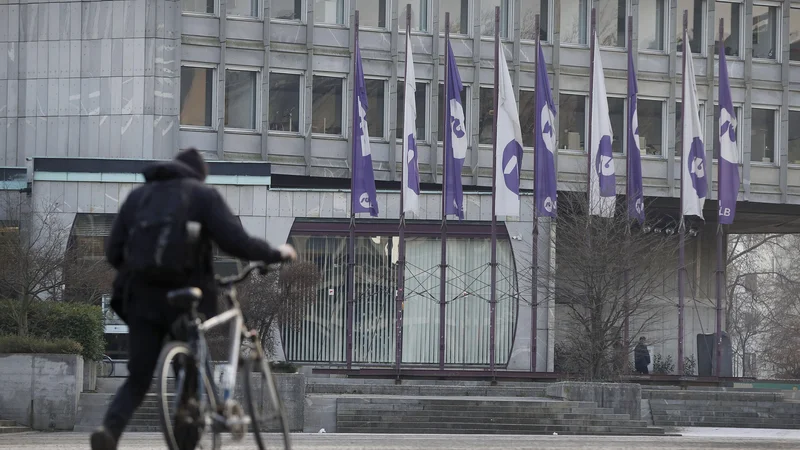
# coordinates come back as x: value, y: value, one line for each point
x: 232, y: 315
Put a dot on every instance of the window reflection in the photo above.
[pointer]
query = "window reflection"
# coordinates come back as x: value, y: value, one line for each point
x: 459, y: 15
x: 794, y: 137
x: 765, y: 26
x: 762, y: 136
x: 695, y: 27
x: 651, y: 24
x: 612, y: 20
x: 572, y: 121
x: 651, y: 123
x: 794, y: 34
x: 616, y: 112
x: 421, y: 95
x: 527, y: 111
x: 574, y: 20
x: 486, y: 116
x: 527, y: 22
x: 730, y: 12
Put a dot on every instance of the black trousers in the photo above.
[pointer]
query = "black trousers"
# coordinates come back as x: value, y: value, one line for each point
x: 146, y: 339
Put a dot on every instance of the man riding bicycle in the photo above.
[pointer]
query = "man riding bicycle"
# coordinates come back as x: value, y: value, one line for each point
x: 161, y: 240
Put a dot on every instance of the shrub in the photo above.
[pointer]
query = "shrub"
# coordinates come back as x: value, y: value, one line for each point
x: 663, y: 366
x: 689, y: 365
x: 56, y: 320
x: 28, y: 344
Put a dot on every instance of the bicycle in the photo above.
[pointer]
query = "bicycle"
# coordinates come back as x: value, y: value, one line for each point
x: 107, y: 367
x: 202, y: 406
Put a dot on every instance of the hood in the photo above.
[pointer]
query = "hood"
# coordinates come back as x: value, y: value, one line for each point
x: 169, y: 170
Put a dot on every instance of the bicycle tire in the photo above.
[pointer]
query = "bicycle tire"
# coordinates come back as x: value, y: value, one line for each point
x: 275, y: 401
x: 168, y: 353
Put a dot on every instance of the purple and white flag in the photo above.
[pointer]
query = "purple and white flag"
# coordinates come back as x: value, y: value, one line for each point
x: 410, y: 154
x: 602, y: 178
x: 634, y: 190
x: 508, y: 151
x: 364, y: 197
x: 544, y: 151
x: 456, y: 150
x: 728, y: 183
x: 694, y: 185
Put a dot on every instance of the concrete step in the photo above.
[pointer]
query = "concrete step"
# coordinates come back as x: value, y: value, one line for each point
x: 13, y: 429
x: 318, y: 379
x: 727, y: 424
x: 425, y: 390
x: 486, y: 415
x: 725, y: 414
x: 470, y: 428
x: 357, y: 419
x: 723, y: 396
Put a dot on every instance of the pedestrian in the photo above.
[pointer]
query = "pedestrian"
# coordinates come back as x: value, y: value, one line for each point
x: 641, y: 356
x: 162, y: 240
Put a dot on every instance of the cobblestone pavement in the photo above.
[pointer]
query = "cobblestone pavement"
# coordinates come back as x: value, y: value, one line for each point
x: 148, y: 441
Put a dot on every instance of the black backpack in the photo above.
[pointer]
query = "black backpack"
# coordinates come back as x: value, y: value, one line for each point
x: 158, y: 249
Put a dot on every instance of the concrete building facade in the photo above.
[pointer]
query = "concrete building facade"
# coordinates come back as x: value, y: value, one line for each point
x: 266, y: 85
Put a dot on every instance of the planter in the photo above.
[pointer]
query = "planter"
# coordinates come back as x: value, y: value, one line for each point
x: 90, y: 369
x: 41, y: 391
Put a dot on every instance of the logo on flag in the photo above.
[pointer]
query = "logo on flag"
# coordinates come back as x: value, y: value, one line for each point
x: 364, y: 194
x: 694, y: 185
x: 728, y: 184
x: 410, y: 154
x: 602, y: 180
x: 544, y: 150
x: 508, y: 146
x: 456, y: 150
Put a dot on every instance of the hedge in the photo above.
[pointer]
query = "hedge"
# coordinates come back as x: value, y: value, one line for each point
x: 29, y: 344
x: 58, y: 320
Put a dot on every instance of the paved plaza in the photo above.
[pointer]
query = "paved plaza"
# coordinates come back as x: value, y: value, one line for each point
x: 692, y: 439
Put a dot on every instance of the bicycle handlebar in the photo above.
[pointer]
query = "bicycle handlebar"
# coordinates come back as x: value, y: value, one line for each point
x: 239, y: 277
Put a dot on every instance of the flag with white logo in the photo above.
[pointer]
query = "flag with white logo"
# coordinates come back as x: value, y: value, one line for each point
x: 694, y: 186
x: 602, y: 178
x: 728, y: 183
x: 634, y: 190
x: 544, y: 151
x: 508, y: 151
x: 455, y: 152
x: 410, y: 154
x: 364, y: 197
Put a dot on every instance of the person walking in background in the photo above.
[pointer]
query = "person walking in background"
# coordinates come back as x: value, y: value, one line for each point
x: 641, y: 356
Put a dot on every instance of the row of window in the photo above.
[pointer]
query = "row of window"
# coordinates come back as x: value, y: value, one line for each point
x: 286, y: 112
x: 653, y: 20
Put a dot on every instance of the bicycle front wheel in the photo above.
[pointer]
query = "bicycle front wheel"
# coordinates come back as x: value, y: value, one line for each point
x: 264, y: 405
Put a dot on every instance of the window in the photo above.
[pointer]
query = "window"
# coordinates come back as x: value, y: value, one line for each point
x: 246, y: 8
x: 88, y: 276
x: 440, y: 113
x: 679, y: 126
x: 652, y: 15
x: 574, y: 22
x: 284, y: 102
x: 371, y: 14
x: 459, y: 15
x: 762, y: 136
x: 527, y: 20
x: 198, y: 6
x: 651, y: 122
x: 326, y: 105
x: 794, y: 138
x: 486, y: 116
x: 527, y: 112
x: 612, y: 23
x: 716, y: 131
x: 376, y: 104
x: 794, y: 34
x: 197, y: 96
x: 240, y: 99
x: 616, y: 112
x: 572, y: 121
x: 286, y: 9
x: 329, y: 11
x: 765, y: 31
x: 422, y: 114
x: 696, y: 10
x: 419, y: 16
x: 487, y: 17
x: 731, y: 13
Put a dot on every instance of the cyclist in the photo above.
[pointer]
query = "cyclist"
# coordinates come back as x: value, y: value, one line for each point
x: 176, y: 187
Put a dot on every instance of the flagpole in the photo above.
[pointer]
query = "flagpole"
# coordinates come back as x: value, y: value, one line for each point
x: 682, y: 225
x: 445, y: 140
x: 591, y: 104
x: 720, y: 235
x: 351, y: 250
x: 626, y: 318
x: 401, y: 261
x: 535, y: 250
x: 493, y: 299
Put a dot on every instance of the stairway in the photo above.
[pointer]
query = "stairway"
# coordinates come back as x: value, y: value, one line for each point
x: 489, y: 415
x: 9, y: 426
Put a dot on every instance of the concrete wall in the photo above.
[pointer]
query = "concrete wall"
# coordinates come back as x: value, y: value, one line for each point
x: 40, y: 391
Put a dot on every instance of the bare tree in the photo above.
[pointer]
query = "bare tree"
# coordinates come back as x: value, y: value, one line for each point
x: 34, y: 265
x: 604, y: 276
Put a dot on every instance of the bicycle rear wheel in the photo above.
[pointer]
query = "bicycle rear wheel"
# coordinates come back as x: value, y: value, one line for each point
x: 266, y: 409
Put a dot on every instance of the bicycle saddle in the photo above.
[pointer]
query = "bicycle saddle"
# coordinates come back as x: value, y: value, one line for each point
x: 184, y: 298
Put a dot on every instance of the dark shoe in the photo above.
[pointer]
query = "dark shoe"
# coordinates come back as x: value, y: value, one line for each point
x: 102, y: 439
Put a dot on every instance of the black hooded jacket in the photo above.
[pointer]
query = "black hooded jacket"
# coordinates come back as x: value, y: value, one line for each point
x: 135, y: 299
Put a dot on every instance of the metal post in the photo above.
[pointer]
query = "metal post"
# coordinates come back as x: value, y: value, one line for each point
x: 493, y: 298
x: 401, y: 260
x: 351, y: 250
x: 626, y: 325
x: 720, y: 244
x: 535, y: 250
x: 591, y: 103
x: 682, y: 226
x: 445, y: 141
